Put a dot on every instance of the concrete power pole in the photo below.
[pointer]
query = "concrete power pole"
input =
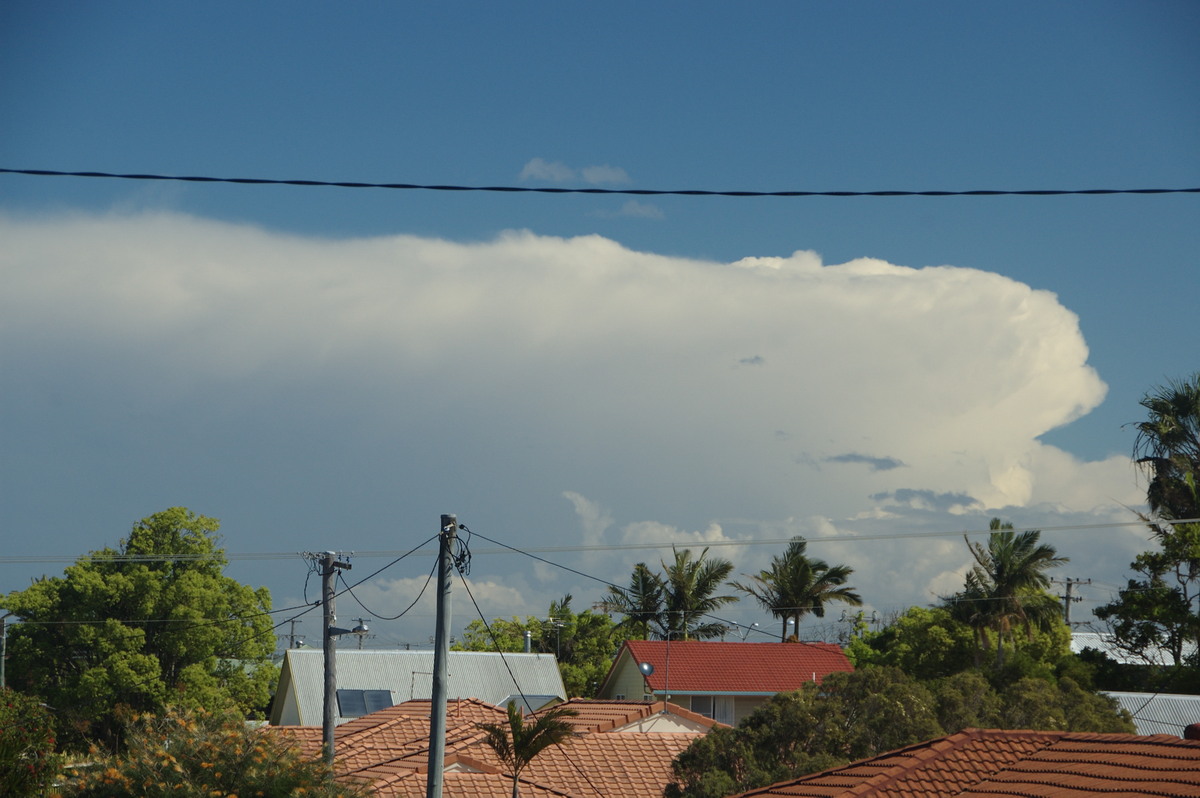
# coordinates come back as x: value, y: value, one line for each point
x: 3, y: 645
x: 441, y: 653
x: 330, y: 566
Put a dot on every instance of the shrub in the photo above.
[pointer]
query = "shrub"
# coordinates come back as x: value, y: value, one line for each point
x: 193, y: 753
x: 28, y: 763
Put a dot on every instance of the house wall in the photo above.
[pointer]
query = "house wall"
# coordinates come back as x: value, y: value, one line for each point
x: 627, y: 681
x: 743, y: 705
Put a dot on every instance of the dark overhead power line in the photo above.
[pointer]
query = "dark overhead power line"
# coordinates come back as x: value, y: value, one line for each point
x: 640, y: 192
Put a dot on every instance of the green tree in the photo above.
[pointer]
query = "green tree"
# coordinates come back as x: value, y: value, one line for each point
x: 28, y: 764
x: 195, y: 753
x: 641, y: 604
x: 690, y: 586
x: 925, y: 643
x: 870, y: 711
x: 150, y: 623
x: 673, y: 604
x: 796, y: 585
x: 1032, y: 703
x: 584, y: 643
x: 517, y: 742
x: 849, y: 716
x: 1168, y: 443
x: 930, y: 643
x: 1161, y: 609
x: 1005, y: 589
x: 966, y: 700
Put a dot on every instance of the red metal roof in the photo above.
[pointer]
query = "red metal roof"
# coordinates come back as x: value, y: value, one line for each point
x: 716, y: 667
x: 991, y: 763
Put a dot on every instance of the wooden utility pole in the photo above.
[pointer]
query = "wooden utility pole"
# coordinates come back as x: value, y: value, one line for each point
x: 441, y: 653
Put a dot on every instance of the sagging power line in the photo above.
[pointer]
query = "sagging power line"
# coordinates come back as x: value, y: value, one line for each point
x: 640, y: 192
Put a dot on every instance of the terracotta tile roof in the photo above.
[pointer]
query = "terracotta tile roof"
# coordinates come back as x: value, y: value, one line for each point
x: 411, y: 784
x: 610, y: 765
x: 714, y: 667
x: 597, y: 715
x: 978, y: 763
x: 390, y: 750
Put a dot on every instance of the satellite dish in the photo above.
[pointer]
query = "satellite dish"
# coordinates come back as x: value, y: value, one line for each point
x: 646, y: 668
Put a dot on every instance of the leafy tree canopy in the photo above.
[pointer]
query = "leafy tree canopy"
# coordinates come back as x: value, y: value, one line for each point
x: 1160, y: 607
x: 869, y: 711
x: 584, y: 643
x: 928, y: 643
x: 194, y: 753
x: 152, y: 622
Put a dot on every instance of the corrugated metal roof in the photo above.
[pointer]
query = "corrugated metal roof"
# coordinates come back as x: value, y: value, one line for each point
x: 1160, y: 713
x: 409, y: 674
x: 1106, y: 642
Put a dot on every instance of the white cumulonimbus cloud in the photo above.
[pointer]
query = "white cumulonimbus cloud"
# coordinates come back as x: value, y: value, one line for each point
x: 664, y: 391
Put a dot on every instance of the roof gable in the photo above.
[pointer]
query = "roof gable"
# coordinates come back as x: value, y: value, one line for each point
x: 694, y: 666
x: 597, y: 715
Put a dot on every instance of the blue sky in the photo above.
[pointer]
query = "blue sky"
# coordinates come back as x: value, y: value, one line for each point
x: 332, y: 368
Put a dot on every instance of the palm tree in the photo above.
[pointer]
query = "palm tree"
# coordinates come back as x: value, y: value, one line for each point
x: 517, y: 742
x: 689, y: 585
x: 641, y: 603
x: 1006, y: 587
x: 796, y: 585
x: 671, y: 605
x: 1168, y: 442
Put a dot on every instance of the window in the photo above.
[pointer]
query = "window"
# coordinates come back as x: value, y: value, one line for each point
x: 703, y: 705
x: 356, y: 703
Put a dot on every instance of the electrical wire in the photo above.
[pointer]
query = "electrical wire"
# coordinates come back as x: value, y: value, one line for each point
x: 660, y: 545
x: 640, y: 192
x: 350, y: 589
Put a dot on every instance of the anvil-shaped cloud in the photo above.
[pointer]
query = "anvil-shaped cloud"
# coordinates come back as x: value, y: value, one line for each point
x: 662, y: 391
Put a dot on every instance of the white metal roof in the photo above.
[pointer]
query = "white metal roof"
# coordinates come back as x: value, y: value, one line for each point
x: 1105, y: 642
x: 1160, y: 713
x: 407, y: 675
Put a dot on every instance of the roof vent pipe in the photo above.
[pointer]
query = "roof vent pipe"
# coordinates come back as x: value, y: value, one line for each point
x: 528, y: 642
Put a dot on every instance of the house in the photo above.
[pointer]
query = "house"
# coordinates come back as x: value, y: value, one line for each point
x: 621, y: 750
x: 370, y: 680
x: 979, y: 763
x: 719, y: 680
